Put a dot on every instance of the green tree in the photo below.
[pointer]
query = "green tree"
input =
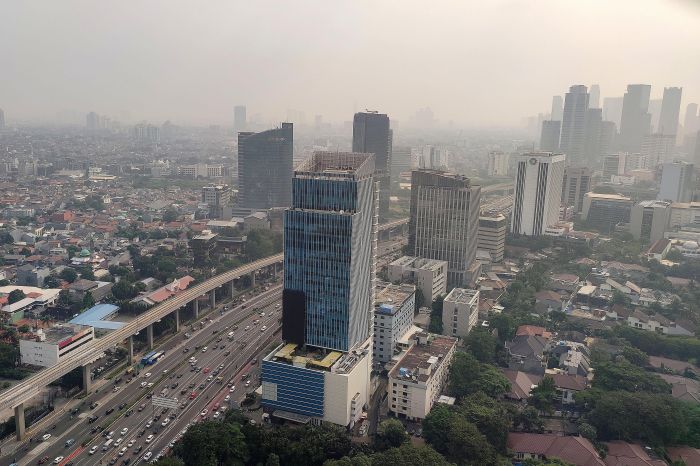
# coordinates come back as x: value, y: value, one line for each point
x: 213, y: 443
x: 528, y: 420
x: 390, y: 434
x: 635, y: 356
x: 409, y: 455
x: 467, y: 376
x: 588, y: 431
x: 68, y: 274
x: 88, y: 300
x: 620, y: 298
x: 272, y: 460
x: 623, y: 375
x: 435, y: 325
x: 262, y: 243
x: 15, y: 295
x: 87, y: 273
x: 482, y: 345
x: 466, y: 445
x: 493, y: 418
x: 436, y: 425
x: 543, y: 396
x: 123, y: 290
x: 51, y: 282
x: 170, y: 215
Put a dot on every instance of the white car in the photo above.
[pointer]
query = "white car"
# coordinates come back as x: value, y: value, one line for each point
x: 149, y: 438
x: 204, y: 412
x: 262, y: 314
x: 122, y: 451
x: 204, y: 350
x: 147, y: 456
x: 263, y: 328
x: 131, y: 443
x: 143, y: 384
x: 247, y: 327
x: 230, y: 390
x: 149, y: 424
x: 93, y: 450
x: 146, y: 375
x: 119, y: 441
x: 216, y: 415
x: 124, y: 431
x: 247, y: 383
x: 45, y: 437
x: 150, y: 384
x: 165, y: 422
x: 58, y: 460
x: 228, y: 398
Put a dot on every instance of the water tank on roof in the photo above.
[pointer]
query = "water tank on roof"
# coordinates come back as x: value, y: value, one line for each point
x: 403, y: 372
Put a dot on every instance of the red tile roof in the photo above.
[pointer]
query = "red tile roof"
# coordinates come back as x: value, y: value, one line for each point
x: 689, y: 455
x: 629, y: 454
x: 533, y: 330
x: 575, y: 450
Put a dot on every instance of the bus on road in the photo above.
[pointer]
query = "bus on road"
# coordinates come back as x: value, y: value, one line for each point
x: 145, y: 359
x: 155, y: 358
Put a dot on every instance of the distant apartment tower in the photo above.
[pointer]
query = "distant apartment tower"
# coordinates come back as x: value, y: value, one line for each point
x: 649, y: 220
x: 145, y: 132
x: 443, y: 221
x: 460, y: 312
x: 401, y: 162
x: 218, y: 198
x: 635, y: 122
x: 433, y: 158
x: 92, y: 121
x: 576, y: 183
x: 240, y: 122
x: 594, y: 99
x: 691, y: 121
x: 371, y: 134
x: 491, y: 235
x: 670, y: 111
x: 549, y: 140
x: 429, y: 275
x: 537, y: 196
x: 658, y: 148
x: 498, y: 163
x: 614, y: 164
x: 606, y: 211
x: 557, y: 108
x: 573, y: 127
x: 395, y: 306
x: 677, y: 182
x: 265, y: 168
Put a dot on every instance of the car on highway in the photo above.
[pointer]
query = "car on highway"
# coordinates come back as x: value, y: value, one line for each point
x: 256, y: 322
x: 206, y: 370
x: 109, y: 411
x: 122, y: 406
x: 93, y: 450
x: 138, y: 449
x: 94, y: 405
x: 122, y: 451
x: 45, y: 437
x: 202, y: 385
x: 263, y: 328
x: 216, y: 415
x: 118, y: 442
x: 165, y: 422
x: 193, y: 395
x: 58, y: 460
x: 142, y: 406
x: 247, y: 327
x: 204, y: 350
x: 204, y: 412
x: 210, y: 378
x: 43, y: 460
x: 149, y: 438
x: 131, y: 443
x: 69, y: 442
x: 247, y: 383
x: 147, y: 456
x: 227, y: 353
x: 143, y: 384
x: 262, y: 314
x: 230, y: 390
x: 228, y: 397
x: 149, y: 424
x: 124, y: 430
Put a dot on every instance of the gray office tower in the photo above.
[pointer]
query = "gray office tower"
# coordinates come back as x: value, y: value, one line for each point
x: 2, y: 119
x: 592, y: 141
x: 635, y: 122
x: 594, y: 100
x: 265, y: 168
x: 573, y: 127
x: 239, y: 118
x: 329, y: 250
x: 444, y: 221
x: 670, y: 111
x: 557, y: 108
x: 549, y: 140
x: 371, y: 135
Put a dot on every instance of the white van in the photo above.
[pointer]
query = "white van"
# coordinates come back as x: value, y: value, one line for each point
x: 107, y: 444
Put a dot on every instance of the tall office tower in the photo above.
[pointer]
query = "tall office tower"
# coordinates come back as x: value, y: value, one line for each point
x: 491, y: 235
x: 636, y: 120
x: 608, y: 131
x: 444, y: 221
x: 371, y: 135
x: 2, y: 119
x: 614, y: 164
x: 240, y: 122
x: 594, y: 100
x: 655, y: 113
x: 649, y: 220
x: 592, y: 141
x: 575, y: 185
x: 658, y: 148
x: 498, y: 163
x: 549, y: 140
x: 322, y: 370
x: 691, y: 122
x: 677, y: 182
x: 92, y: 121
x: 265, y: 168
x: 573, y: 127
x: 401, y: 162
x: 537, y: 192
x: 670, y: 111
x: 612, y: 110
x: 557, y: 108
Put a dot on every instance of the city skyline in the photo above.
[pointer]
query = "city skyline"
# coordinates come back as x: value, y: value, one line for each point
x: 472, y: 88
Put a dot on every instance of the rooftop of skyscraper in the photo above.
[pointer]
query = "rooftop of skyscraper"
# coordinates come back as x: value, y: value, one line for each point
x: 337, y: 165
x: 317, y: 358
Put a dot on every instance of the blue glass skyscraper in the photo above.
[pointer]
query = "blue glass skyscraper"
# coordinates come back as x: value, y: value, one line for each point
x: 329, y: 246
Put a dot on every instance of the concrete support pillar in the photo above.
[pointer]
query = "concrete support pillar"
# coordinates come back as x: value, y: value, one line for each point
x: 149, y: 336
x: 177, y: 320
x: 87, y: 378
x: 252, y: 279
x: 130, y: 349
x: 232, y: 288
x: 195, y: 307
x: 19, y: 422
x: 212, y: 298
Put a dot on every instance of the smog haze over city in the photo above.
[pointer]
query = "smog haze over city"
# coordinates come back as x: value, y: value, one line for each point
x: 350, y: 233
x: 473, y: 63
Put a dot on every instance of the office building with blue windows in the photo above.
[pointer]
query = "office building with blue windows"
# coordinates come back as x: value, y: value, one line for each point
x: 321, y: 371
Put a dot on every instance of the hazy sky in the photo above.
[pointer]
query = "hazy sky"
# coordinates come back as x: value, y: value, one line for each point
x: 478, y: 63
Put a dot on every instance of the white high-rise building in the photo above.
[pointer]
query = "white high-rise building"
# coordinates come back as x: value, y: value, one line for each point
x: 537, y: 199
x: 498, y: 163
x: 677, y: 182
x: 594, y: 101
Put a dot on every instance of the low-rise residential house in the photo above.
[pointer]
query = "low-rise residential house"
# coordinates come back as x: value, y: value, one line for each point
x: 521, y: 383
x: 564, y: 282
x: 688, y: 455
x: 659, y: 249
x: 547, y: 301
x: 578, y: 451
x: 161, y: 294
x: 573, y: 357
x: 621, y: 453
x: 97, y: 289
x: 657, y: 323
x: 568, y: 386
x: 683, y: 388
x: 527, y: 353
